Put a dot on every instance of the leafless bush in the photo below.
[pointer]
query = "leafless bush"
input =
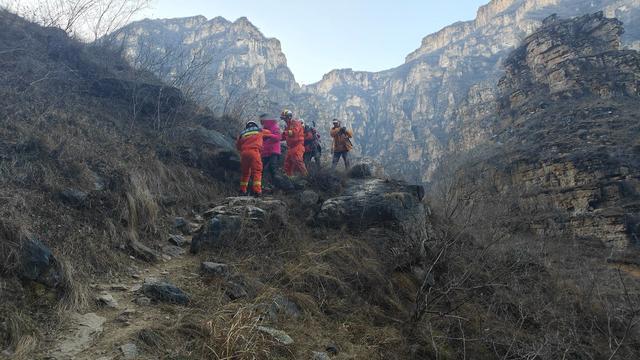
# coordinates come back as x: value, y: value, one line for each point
x: 493, y: 288
x: 89, y: 19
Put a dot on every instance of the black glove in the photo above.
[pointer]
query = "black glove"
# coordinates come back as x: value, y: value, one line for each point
x: 344, y: 129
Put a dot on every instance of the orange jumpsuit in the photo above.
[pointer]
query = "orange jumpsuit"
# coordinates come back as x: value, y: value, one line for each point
x: 293, y: 134
x: 249, y: 145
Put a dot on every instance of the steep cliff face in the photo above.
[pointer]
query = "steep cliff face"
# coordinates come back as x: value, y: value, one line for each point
x: 227, y: 64
x: 568, y: 129
x: 443, y: 98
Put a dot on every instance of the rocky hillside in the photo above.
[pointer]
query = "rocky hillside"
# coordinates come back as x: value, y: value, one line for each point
x: 438, y: 101
x: 230, y: 66
x: 568, y: 128
x: 119, y: 238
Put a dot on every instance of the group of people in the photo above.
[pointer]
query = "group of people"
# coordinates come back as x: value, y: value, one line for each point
x: 260, y: 150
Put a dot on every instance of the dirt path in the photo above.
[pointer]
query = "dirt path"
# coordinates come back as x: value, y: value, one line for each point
x: 121, y: 324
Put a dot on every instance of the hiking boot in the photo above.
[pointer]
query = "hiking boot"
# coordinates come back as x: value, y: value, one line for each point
x: 243, y: 193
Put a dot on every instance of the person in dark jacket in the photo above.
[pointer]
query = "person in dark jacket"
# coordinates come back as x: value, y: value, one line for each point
x: 341, y: 144
x: 312, y: 147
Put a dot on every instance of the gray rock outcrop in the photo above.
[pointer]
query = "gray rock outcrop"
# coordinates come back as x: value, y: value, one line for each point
x: 568, y: 134
x: 225, y: 221
x: 390, y: 213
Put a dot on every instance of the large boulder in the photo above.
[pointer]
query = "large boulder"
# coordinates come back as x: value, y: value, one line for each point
x: 225, y: 220
x: 247, y: 207
x: 150, y: 98
x: 389, y: 214
x: 38, y: 263
x: 365, y: 168
x: 207, y: 149
x: 217, y: 232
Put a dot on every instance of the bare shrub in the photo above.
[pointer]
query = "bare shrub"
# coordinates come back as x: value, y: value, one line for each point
x: 495, y: 288
x: 18, y: 332
x: 90, y: 19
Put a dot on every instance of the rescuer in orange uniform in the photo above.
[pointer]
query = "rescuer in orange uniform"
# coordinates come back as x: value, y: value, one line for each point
x: 293, y: 134
x: 249, y: 145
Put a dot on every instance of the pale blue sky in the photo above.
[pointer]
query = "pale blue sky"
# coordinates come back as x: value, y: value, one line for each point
x: 319, y: 36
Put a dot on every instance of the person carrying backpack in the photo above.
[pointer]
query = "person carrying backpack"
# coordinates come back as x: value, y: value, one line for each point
x: 249, y: 144
x: 293, y: 134
x: 312, y: 147
x: 341, y: 144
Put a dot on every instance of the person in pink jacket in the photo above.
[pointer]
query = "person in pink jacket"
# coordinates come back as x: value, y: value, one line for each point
x: 271, y: 147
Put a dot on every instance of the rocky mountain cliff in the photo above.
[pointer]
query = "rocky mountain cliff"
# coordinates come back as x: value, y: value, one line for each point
x: 438, y: 101
x: 230, y: 66
x: 568, y: 130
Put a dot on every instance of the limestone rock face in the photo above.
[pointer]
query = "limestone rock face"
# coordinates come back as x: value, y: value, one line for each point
x: 442, y: 99
x: 568, y: 129
x: 222, y: 63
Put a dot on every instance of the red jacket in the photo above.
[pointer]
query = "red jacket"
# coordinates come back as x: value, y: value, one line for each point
x: 293, y: 134
x: 251, y: 139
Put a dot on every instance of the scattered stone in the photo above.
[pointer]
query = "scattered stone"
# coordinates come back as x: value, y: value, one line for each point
x: 129, y: 351
x: 177, y: 240
x: 215, y: 269
x: 235, y: 291
x: 129, y: 312
x: 173, y: 251
x: 282, y: 305
x: 74, y: 197
x: 119, y: 287
x: 166, y: 257
x: 142, y: 251
x: 136, y: 276
x: 142, y: 301
x: 151, y: 280
x: 224, y: 220
x: 279, y: 335
x: 316, y: 355
x: 181, y: 225
x: 360, y: 171
x: 216, y: 232
x: 107, y: 300
x: 185, y: 227
x: 332, y: 349
x: 309, y: 198
x: 85, y: 328
x: 125, y: 316
x: 151, y: 338
x: 165, y: 292
x: 194, y: 227
x: 39, y: 264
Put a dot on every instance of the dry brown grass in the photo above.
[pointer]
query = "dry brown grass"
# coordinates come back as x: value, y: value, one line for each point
x: 18, y: 332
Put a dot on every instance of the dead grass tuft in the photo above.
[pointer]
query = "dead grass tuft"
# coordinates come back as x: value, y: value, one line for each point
x: 74, y: 289
x: 18, y: 332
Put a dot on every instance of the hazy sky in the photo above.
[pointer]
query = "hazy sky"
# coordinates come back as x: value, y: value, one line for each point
x: 318, y: 36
